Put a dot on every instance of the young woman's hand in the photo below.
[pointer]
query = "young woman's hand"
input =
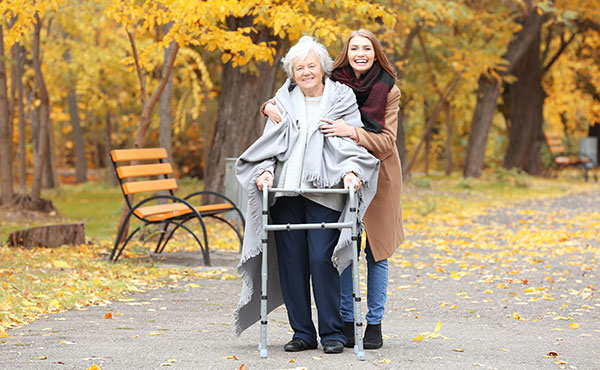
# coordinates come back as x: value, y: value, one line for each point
x: 272, y: 112
x: 336, y: 128
x: 266, y: 176
x: 351, y: 177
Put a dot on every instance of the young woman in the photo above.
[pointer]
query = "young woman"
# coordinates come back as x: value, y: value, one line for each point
x: 364, y: 67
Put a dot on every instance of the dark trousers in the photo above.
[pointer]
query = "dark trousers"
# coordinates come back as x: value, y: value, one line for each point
x: 303, y: 254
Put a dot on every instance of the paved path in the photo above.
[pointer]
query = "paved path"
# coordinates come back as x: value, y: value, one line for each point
x: 505, y: 288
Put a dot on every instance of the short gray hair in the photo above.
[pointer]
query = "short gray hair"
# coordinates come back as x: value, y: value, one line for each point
x: 300, y: 50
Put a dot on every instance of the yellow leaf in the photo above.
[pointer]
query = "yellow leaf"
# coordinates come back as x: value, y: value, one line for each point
x: 155, y: 333
x: 61, y: 264
x: 418, y: 338
x: 3, y: 333
x: 573, y: 326
x: 438, y: 326
x: 93, y: 367
x: 385, y: 361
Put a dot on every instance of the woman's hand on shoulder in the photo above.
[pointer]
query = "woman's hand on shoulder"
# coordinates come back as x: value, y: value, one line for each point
x: 336, y: 128
x: 351, y: 177
x: 272, y: 112
x: 267, y: 177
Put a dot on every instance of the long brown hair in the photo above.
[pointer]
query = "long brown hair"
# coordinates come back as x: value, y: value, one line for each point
x: 342, y: 59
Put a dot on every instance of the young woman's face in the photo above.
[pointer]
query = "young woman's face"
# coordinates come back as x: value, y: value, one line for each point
x: 361, y: 55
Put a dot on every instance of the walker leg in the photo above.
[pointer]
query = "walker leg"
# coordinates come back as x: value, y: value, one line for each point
x: 262, y: 347
x: 358, y: 340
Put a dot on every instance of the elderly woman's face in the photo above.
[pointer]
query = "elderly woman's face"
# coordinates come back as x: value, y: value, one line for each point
x: 308, y: 74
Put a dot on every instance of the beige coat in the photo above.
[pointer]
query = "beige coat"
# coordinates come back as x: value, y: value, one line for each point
x: 383, y: 219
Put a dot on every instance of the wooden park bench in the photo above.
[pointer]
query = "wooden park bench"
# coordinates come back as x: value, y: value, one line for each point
x: 152, y: 167
x: 563, y: 159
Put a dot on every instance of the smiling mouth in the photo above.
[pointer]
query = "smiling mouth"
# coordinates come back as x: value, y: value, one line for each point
x: 361, y: 61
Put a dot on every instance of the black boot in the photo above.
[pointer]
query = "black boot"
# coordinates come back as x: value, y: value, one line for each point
x: 373, y: 339
x: 349, y: 333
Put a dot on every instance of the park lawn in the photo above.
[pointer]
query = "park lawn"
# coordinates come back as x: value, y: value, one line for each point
x: 36, y: 281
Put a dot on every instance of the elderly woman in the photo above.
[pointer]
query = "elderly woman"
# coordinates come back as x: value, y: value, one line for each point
x: 293, y: 155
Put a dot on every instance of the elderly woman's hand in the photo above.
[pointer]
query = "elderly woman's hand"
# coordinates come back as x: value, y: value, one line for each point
x: 266, y: 176
x: 272, y: 112
x: 351, y: 177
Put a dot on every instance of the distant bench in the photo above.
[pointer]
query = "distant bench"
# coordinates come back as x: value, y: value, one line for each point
x: 562, y: 159
x: 150, y: 165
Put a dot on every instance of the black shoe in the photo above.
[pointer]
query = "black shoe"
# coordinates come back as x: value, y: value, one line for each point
x: 373, y: 339
x: 349, y: 333
x: 297, y: 345
x: 333, y: 346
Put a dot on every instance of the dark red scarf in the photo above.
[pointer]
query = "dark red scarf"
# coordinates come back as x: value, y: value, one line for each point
x: 371, y: 91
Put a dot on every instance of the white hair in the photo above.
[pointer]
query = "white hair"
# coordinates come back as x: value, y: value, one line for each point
x: 300, y: 50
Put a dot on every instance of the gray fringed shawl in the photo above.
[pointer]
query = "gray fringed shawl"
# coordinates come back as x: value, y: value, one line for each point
x: 326, y: 162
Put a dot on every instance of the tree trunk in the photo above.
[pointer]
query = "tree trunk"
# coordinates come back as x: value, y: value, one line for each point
x: 487, y: 96
x: 78, y: 140
x: 165, y: 133
x: 239, y: 123
x: 448, y: 140
x: 489, y: 90
x: 42, y: 154
x: 19, y: 61
x: 526, y: 103
x: 50, y: 178
x: 6, y: 174
x: 51, y: 236
x: 112, y: 178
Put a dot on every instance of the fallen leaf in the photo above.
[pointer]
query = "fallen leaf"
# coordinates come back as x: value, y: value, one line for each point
x: 155, y: 333
x: 458, y: 350
x: 3, y: 333
x: 573, y: 326
x: 418, y: 338
x: 60, y: 264
x: 243, y: 367
x: 317, y: 358
x: 108, y: 315
x: 93, y: 367
x: 551, y: 354
x: 385, y: 361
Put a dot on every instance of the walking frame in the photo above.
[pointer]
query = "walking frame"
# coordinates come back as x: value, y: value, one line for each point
x: 358, y: 346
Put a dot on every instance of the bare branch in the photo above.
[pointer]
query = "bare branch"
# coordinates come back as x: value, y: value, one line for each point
x: 137, y: 67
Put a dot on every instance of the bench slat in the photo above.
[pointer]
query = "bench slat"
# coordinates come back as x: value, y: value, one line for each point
x: 144, y: 170
x: 149, y: 186
x: 120, y: 155
x: 164, y: 211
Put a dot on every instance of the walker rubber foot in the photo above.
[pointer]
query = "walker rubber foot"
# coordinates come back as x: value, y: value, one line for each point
x: 360, y: 356
x: 264, y: 353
